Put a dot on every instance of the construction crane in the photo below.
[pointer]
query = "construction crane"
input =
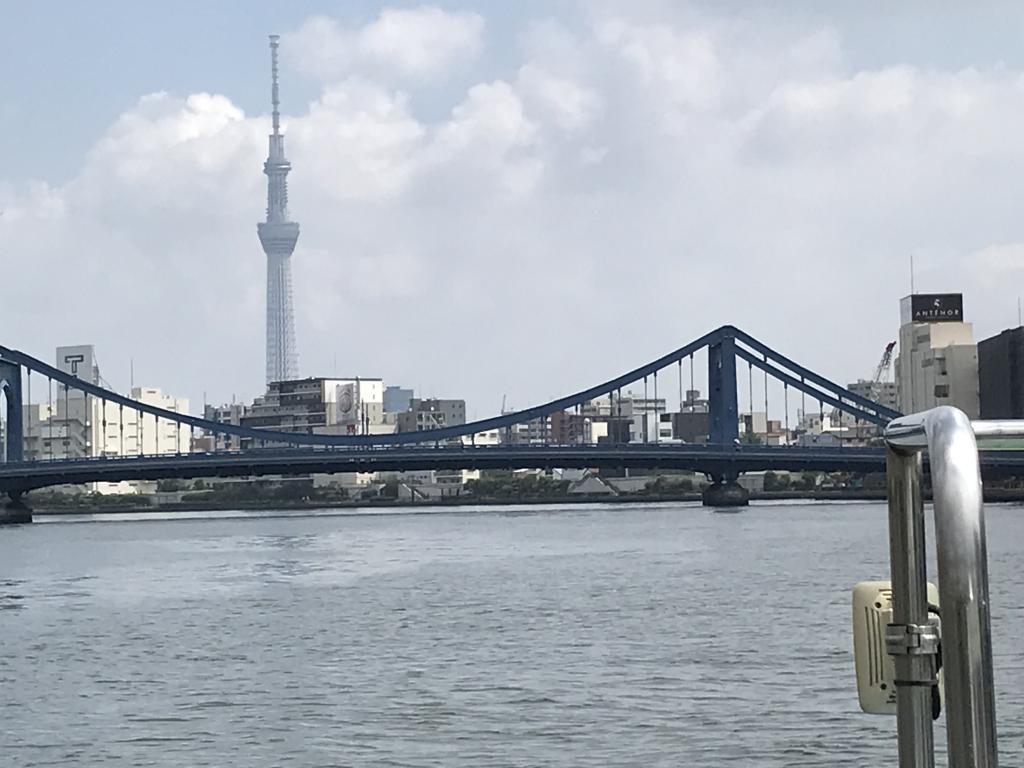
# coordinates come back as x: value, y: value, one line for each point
x: 872, y: 393
x: 881, y: 370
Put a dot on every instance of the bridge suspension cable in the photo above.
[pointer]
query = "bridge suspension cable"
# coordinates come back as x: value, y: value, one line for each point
x: 738, y: 343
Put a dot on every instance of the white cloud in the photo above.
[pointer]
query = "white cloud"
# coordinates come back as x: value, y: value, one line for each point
x: 682, y: 65
x: 321, y: 47
x: 567, y: 103
x: 419, y: 44
x: 996, y: 263
x: 488, y: 140
x: 424, y: 42
x: 622, y: 187
x: 359, y: 141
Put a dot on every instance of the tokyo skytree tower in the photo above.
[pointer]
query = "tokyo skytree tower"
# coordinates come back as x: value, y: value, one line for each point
x: 278, y: 235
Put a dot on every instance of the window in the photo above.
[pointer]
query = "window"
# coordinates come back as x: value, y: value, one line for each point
x: 942, y: 390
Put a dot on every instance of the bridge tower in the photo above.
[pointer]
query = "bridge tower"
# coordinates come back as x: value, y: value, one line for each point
x: 278, y: 235
x: 723, y: 409
x: 10, y: 386
x: 723, y: 420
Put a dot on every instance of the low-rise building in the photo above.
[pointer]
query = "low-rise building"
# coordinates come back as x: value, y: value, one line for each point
x: 232, y: 413
x: 755, y: 423
x: 831, y: 439
x: 686, y: 427
x: 320, y: 406
x: 757, y: 427
x: 625, y: 418
x: 694, y: 403
x: 431, y: 413
x: 490, y: 437
x: 881, y: 392
x: 536, y: 432
x: 397, y: 399
x: 569, y: 428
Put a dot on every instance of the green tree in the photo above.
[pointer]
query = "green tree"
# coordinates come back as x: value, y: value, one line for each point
x: 776, y: 482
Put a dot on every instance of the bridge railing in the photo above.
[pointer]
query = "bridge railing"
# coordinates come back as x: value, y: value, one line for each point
x: 950, y: 440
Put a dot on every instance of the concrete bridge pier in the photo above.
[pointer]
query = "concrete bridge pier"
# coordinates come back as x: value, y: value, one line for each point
x: 724, y: 491
x: 15, y: 511
x: 728, y: 494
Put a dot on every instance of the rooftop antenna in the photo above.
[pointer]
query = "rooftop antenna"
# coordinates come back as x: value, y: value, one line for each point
x: 911, y: 255
x: 273, y: 84
x: 1020, y: 320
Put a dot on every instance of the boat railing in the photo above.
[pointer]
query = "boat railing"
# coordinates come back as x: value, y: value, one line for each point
x: 961, y: 641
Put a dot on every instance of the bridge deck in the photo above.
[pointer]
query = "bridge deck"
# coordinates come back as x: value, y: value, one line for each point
x: 23, y: 476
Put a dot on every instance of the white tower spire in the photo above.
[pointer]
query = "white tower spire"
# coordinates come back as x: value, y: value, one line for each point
x: 274, y: 101
x: 278, y: 236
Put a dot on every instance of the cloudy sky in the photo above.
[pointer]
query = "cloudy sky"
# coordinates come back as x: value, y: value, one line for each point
x: 503, y: 199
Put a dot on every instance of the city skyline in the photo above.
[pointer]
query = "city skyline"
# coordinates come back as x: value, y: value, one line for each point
x: 475, y: 179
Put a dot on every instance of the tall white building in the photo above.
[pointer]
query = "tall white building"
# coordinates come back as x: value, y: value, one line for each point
x: 938, y: 360
x: 80, y: 427
x: 70, y: 424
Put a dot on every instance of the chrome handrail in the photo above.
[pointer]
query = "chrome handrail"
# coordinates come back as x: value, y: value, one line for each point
x: 949, y: 437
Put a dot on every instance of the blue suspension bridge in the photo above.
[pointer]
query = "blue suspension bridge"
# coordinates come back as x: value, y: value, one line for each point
x: 722, y: 458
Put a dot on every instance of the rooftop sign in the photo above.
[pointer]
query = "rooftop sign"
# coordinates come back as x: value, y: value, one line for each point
x: 932, y: 308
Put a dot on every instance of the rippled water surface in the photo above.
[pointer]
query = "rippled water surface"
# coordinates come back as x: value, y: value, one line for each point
x: 662, y: 635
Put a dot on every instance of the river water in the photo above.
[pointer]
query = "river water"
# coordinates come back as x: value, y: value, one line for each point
x: 658, y: 635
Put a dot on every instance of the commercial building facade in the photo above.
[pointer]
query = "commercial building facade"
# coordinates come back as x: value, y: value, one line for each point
x: 938, y: 359
x: 320, y: 405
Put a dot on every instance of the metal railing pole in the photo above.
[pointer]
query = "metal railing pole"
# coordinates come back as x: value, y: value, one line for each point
x: 949, y: 437
x: 963, y: 590
x: 910, y: 607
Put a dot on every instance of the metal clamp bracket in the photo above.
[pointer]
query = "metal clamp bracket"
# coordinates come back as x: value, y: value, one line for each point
x: 912, y: 639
